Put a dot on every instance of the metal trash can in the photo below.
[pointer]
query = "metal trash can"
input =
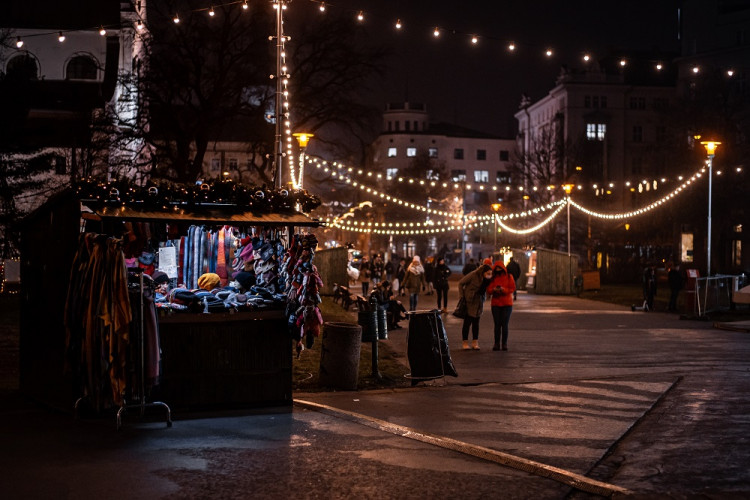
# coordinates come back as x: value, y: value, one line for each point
x: 339, y: 355
x: 382, y: 324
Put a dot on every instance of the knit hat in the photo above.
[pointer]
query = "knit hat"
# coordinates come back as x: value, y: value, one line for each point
x: 209, y: 281
x: 160, y: 277
x: 487, y: 262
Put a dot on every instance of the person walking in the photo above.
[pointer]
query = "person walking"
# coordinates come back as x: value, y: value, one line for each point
x: 442, y: 271
x: 514, y: 270
x: 389, y: 270
x: 414, y: 281
x: 400, y: 275
x: 501, y: 290
x: 469, y: 267
x: 364, y: 275
x: 649, y: 287
x: 472, y: 288
x: 429, y: 274
x: 377, y: 269
x: 676, y: 282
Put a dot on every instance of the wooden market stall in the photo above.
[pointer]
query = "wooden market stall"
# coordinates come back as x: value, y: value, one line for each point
x: 209, y: 361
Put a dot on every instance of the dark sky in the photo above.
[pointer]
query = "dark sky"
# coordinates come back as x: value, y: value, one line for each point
x: 479, y: 86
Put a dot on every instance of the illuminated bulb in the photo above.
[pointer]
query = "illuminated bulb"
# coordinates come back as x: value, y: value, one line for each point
x: 398, y: 24
x: 511, y: 46
x: 60, y: 37
x: 211, y: 12
x: 730, y: 72
x: 139, y: 25
x: 623, y: 62
x: 19, y: 42
x: 360, y: 16
x: 659, y: 66
x: 474, y: 39
x: 586, y: 58
x: 102, y: 31
x: 436, y: 32
x: 244, y: 5
x: 696, y: 69
x: 549, y: 53
x: 176, y: 19
x: 322, y: 7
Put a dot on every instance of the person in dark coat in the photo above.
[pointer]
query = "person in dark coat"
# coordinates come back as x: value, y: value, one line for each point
x: 469, y: 267
x: 649, y: 287
x: 442, y: 272
x: 429, y: 274
x: 472, y: 288
x: 394, y: 309
x: 676, y: 282
x: 514, y: 270
x: 400, y: 275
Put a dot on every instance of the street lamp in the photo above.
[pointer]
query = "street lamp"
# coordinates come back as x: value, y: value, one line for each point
x: 495, y: 208
x: 302, y: 138
x: 710, y: 150
x: 568, y: 188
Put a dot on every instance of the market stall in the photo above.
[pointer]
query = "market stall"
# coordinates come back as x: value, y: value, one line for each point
x: 222, y: 274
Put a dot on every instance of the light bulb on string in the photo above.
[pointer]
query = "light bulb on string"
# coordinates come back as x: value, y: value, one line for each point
x: 474, y: 39
x: 398, y: 24
x: 244, y: 5
x: 322, y: 7
x: 19, y: 42
x: 102, y: 31
x: 549, y: 53
x: 360, y: 16
x: 176, y: 19
x: 511, y: 46
x: 139, y: 25
x: 211, y: 11
x: 586, y: 57
x: 623, y: 62
x: 730, y: 72
x: 436, y: 32
x: 60, y: 37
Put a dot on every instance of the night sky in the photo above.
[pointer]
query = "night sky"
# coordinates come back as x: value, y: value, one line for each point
x: 479, y: 86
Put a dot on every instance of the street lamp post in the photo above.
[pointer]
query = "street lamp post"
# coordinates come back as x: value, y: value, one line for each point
x: 710, y: 150
x: 568, y: 188
x: 495, y: 208
x: 302, y: 138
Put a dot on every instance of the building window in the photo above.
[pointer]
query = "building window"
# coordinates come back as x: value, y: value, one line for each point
x: 481, y: 154
x: 637, y: 103
x: 411, y: 152
x: 686, y: 247
x: 603, y: 101
x: 215, y: 164
x: 482, y: 176
x: 416, y: 126
x: 637, y: 133
x: 504, y: 155
x: 81, y: 68
x: 398, y: 125
x: 596, y: 131
x: 392, y: 152
x: 432, y: 152
x: 458, y: 175
x: 737, y: 252
x: 502, y: 177
x: 61, y: 167
x: 661, y: 103
x: 22, y: 67
x: 407, y: 125
x: 391, y: 173
x: 233, y: 164
x: 390, y: 126
x: 458, y: 154
x: 587, y: 101
x: 595, y: 101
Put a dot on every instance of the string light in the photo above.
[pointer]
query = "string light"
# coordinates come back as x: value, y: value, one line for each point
x: 61, y: 37
x: 474, y: 39
x: 211, y: 11
x: 176, y: 19
x: 549, y: 52
x: 436, y: 32
x: 361, y: 16
x: 398, y: 24
x: 102, y: 31
x: 245, y: 6
x: 511, y: 46
x: 19, y: 42
x: 531, y: 229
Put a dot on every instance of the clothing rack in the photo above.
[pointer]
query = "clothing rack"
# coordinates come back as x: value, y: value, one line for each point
x: 140, y: 395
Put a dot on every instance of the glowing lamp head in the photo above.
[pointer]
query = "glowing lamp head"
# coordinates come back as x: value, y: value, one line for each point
x: 303, y: 138
x: 710, y: 146
x: 567, y: 188
x: 496, y: 206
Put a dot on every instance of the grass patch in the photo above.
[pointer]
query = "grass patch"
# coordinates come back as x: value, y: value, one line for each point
x: 391, y: 365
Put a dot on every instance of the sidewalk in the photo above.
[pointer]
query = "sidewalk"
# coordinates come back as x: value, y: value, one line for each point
x: 590, y: 398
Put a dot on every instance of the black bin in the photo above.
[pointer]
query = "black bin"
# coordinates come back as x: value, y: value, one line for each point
x: 339, y: 355
x: 427, y: 347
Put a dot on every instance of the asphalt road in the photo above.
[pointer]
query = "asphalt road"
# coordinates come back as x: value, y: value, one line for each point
x: 590, y: 400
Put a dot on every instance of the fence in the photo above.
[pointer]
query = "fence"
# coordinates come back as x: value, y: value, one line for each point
x: 714, y: 293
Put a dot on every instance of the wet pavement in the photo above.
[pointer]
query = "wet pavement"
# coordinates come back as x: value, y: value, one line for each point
x: 590, y: 400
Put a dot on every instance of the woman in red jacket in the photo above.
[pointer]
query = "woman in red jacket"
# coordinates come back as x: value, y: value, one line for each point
x: 501, y: 290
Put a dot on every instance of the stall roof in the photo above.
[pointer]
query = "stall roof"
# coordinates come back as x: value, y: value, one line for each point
x: 211, y: 214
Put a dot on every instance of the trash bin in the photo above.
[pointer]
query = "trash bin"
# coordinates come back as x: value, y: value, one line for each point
x: 368, y: 320
x: 427, y: 347
x: 339, y: 355
x: 382, y: 324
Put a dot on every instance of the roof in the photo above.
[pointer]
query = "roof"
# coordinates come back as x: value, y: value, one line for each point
x: 207, y: 213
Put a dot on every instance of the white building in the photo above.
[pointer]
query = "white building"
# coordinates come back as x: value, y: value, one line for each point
x: 481, y: 160
x: 607, y: 126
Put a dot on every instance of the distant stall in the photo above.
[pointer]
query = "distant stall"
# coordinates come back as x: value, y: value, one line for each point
x: 550, y: 272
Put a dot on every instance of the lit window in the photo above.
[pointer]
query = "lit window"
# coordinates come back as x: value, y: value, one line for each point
x: 391, y: 172
x: 502, y: 178
x: 596, y: 131
x: 215, y: 164
x: 433, y: 152
x: 392, y: 152
x: 458, y: 175
x: 411, y: 152
x: 601, y: 131
x: 482, y: 176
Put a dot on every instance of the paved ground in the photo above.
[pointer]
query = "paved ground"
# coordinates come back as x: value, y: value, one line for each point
x: 591, y: 399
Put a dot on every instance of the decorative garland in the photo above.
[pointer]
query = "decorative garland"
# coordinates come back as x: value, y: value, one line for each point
x: 227, y: 193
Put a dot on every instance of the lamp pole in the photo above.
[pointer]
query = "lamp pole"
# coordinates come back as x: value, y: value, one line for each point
x: 568, y: 188
x: 302, y: 138
x: 280, y: 5
x: 495, y: 208
x: 710, y: 150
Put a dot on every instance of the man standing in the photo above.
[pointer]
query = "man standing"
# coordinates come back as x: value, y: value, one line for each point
x: 514, y: 270
x: 674, y: 277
